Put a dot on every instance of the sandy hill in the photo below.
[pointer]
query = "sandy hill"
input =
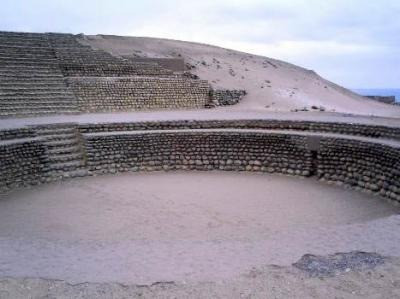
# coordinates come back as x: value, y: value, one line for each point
x: 272, y: 85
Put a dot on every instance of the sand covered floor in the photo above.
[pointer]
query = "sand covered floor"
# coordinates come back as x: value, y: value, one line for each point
x: 184, y: 226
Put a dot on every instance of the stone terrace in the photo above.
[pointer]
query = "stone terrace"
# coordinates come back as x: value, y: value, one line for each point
x: 31, y: 82
x: 34, y: 72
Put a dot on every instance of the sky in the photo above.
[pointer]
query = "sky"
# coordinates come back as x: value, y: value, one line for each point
x: 355, y: 43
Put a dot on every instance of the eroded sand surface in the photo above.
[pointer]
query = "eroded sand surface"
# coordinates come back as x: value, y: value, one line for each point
x: 184, y: 226
x: 272, y: 85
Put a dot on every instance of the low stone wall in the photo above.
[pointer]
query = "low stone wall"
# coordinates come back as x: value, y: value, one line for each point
x: 77, y: 59
x: 62, y: 151
x: 172, y: 64
x: 22, y: 164
x: 383, y: 99
x: 139, y: 93
x: 227, y: 97
x: 361, y: 165
x: 112, y: 70
x: 198, y: 151
x: 19, y: 133
x: 267, y: 124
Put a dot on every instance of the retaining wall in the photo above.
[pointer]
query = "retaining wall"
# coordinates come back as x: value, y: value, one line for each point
x: 198, y: 151
x: 267, y: 124
x: 22, y: 164
x: 363, y: 165
x: 139, y: 93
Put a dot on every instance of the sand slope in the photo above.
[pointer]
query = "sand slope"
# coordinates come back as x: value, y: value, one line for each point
x: 272, y: 85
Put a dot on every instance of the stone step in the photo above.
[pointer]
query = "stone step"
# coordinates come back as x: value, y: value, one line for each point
x: 28, y: 63
x: 79, y: 172
x: 40, y: 95
x: 38, y: 84
x: 21, y: 76
x: 30, y: 113
x: 24, y: 37
x: 38, y: 107
x: 34, y: 90
x: 64, y: 150
x: 32, y: 87
x: 46, y: 100
x: 30, y: 68
x: 30, y: 73
x: 37, y: 103
x: 77, y: 156
x: 70, y: 165
x: 61, y: 136
x: 21, y: 81
x: 23, y: 34
x: 54, y: 108
x: 20, y: 59
x: 6, y: 49
x: 25, y: 43
x: 62, y: 143
x: 55, y: 130
x: 9, y: 55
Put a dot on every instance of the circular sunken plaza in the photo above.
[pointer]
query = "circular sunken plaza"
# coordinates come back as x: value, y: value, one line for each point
x: 128, y: 176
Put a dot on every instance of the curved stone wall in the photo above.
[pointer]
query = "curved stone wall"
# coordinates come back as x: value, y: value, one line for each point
x: 62, y: 151
x: 199, y: 151
x: 362, y: 165
x: 375, y: 131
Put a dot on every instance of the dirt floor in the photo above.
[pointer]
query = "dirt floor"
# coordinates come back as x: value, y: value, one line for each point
x: 383, y: 282
x: 192, y: 234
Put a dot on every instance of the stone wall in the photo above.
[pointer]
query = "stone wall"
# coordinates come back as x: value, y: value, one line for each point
x: 139, y: 93
x: 383, y: 99
x: 31, y: 82
x: 22, y: 164
x: 226, y: 97
x: 361, y: 165
x: 62, y: 151
x: 198, y: 151
x: 267, y: 124
x: 18, y: 133
x: 76, y: 59
x: 172, y: 64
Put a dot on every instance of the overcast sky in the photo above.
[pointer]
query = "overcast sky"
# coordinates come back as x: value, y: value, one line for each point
x: 355, y: 43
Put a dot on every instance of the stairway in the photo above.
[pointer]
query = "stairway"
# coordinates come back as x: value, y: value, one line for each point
x: 66, y: 151
x: 31, y: 82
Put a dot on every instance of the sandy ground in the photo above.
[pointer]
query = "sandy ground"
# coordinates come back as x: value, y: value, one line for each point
x: 272, y: 85
x: 263, y: 282
x: 185, y: 227
x: 204, y: 114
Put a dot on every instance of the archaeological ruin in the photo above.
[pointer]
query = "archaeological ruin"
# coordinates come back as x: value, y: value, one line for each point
x: 69, y: 111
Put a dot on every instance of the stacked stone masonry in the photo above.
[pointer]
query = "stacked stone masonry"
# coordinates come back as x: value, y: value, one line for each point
x: 139, y: 93
x: 361, y: 165
x: 34, y: 69
x: 31, y: 82
x: 226, y: 97
x: 266, y: 124
x: 22, y: 164
x: 77, y: 59
x: 198, y: 151
x: 68, y: 150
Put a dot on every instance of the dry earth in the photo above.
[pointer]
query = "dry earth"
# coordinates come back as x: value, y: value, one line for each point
x: 133, y: 235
